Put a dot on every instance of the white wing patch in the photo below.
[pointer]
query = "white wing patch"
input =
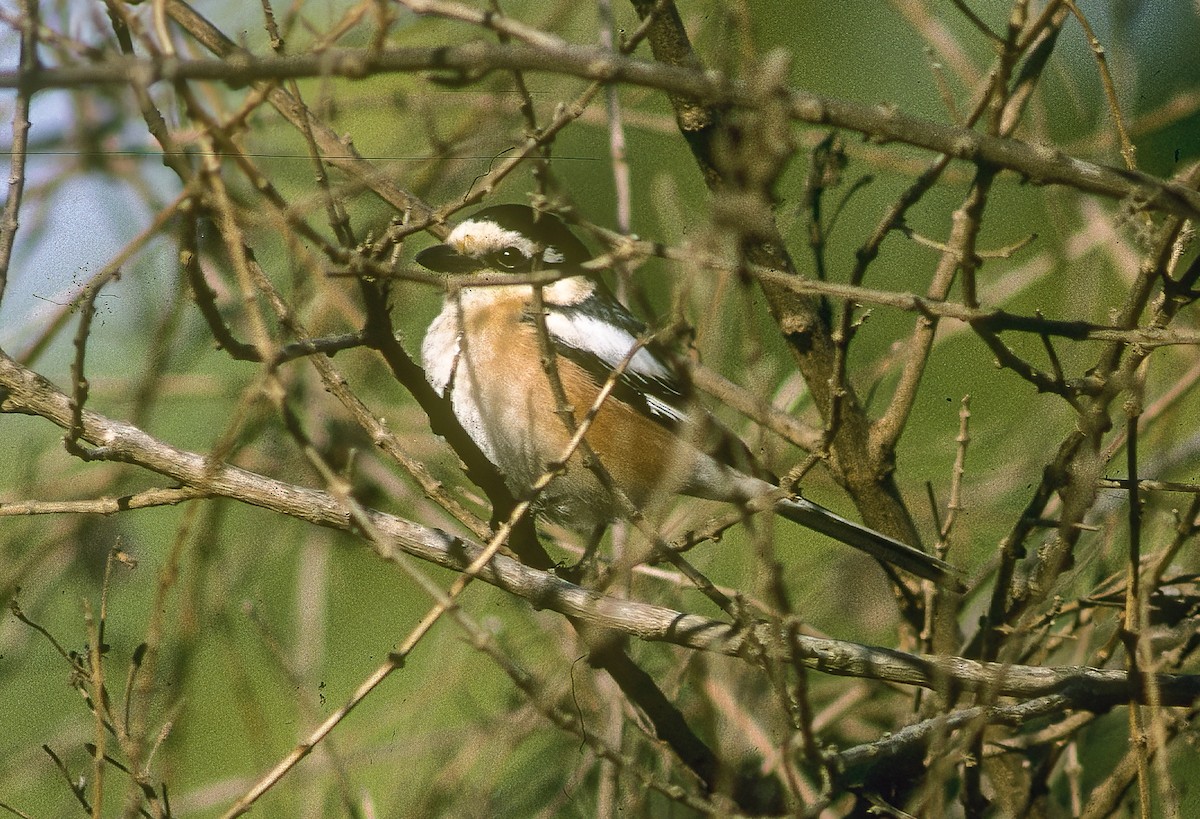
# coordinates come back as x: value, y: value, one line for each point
x: 606, y: 341
x: 660, y: 407
x: 568, y: 292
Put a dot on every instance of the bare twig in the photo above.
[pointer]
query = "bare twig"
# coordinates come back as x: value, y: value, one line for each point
x: 29, y: 67
x: 146, y: 499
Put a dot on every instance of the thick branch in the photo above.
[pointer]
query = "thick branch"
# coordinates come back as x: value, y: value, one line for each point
x: 880, y: 123
x: 1091, y: 688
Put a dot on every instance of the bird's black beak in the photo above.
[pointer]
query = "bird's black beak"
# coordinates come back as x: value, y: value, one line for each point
x: 445, y: 259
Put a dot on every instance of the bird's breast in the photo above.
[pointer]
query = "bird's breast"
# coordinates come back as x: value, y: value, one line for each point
x: 484, y: 350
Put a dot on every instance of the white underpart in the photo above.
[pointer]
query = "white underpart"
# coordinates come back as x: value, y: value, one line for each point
x: 440, y: 349
x: 446, y: 366
x: 441, y: 355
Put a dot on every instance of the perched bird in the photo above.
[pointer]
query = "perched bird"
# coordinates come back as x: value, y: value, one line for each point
x: 483, y: 350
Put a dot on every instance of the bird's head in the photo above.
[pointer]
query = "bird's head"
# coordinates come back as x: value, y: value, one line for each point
x: 507, y: 239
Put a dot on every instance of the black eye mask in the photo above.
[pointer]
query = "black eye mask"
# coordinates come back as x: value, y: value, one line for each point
x: 445, y: 259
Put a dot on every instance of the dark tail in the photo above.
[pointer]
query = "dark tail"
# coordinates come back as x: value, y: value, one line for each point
x: 878, y: 546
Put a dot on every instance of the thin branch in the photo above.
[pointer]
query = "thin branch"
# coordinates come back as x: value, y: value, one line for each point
x: 880, y: 123
x: 959, y: 257
x: 28, y: 68
x: 854, y: 763
x: 146, y: 499
x: 488, y: 19
x: 1091, y: 688
x: 994, y: 321
x: 1128, y: 150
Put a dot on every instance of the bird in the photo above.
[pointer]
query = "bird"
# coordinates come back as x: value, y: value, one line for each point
x: 484, y: 352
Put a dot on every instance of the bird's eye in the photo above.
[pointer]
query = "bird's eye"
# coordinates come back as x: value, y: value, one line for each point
x: 509, y: 258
